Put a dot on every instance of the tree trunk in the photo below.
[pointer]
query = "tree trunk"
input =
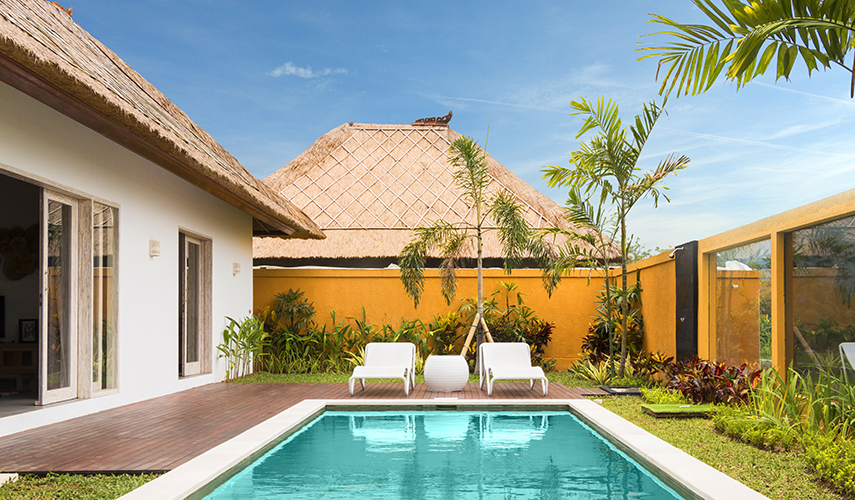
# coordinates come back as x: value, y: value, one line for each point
x: 623, y: 302
x: 480, y: 314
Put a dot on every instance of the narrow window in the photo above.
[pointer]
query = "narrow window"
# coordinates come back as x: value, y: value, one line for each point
x: 104, y: 287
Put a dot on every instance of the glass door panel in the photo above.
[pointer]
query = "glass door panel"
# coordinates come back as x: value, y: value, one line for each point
x: 58, y: 335
x: 191, y: 300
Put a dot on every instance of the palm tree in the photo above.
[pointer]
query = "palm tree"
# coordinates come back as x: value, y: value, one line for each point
x: 820, y: 32
x: 605, y: 167
x: 452, y: 242
x: 595, y: 228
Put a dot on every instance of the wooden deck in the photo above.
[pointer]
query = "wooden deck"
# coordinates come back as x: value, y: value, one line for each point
x: 162, y: 433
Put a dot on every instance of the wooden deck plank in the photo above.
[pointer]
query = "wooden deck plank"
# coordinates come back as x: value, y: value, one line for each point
x: 162, y: 433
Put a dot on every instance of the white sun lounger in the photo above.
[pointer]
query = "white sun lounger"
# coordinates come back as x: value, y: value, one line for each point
x: 847, y: 353
x: 509, y: 361
x: 387, y: 360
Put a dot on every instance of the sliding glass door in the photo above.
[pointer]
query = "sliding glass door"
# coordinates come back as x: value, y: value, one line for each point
x: 58, y: 296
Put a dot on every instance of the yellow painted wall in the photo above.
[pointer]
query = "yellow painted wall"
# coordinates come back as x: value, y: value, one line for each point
x: 658, y: 303
x: 571, y: 307
x: 347, y: 291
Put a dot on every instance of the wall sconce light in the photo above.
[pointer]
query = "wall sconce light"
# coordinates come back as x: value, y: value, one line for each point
x: 153, y: 248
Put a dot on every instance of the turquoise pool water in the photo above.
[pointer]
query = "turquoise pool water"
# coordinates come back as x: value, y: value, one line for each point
x: 445, y: 455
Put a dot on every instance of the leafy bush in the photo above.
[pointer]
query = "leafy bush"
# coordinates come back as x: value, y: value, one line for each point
x: 595, y: 345
x: 760, y: 430
x: 662, y: 396
x: 833, y: 459
x: 706, y: 382
x: 242, y: 342
x: 516, y: 322
x: 445, y: 331
x: 597, y: 372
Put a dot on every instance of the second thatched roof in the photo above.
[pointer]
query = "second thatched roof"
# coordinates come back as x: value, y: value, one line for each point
x: 369, y: 186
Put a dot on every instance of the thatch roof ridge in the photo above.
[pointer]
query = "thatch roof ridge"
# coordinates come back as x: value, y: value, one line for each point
x: 84, y: 78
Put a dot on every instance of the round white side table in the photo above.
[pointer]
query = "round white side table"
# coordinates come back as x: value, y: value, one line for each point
x: 446, y: 373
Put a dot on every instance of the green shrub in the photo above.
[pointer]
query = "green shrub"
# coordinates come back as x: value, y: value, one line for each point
x: 662, y: 396
x: 595, y: 345
x: 833, y: 460
x: 595, y: 372
x: 758, y: 430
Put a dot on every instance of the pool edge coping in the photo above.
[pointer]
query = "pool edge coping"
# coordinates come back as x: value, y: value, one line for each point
x: 199, y: 476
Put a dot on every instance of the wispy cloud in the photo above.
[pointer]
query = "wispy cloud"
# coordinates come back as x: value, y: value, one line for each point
x: 808, y: 94
x: 442, y: 99
x: 289, y: 69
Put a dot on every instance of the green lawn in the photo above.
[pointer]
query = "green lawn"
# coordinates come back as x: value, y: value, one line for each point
x: 778, y: 475
x: 73, y: 486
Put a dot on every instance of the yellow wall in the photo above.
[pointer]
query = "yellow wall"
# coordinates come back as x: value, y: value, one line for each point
x: 347, y: 291
x: 658, y: 302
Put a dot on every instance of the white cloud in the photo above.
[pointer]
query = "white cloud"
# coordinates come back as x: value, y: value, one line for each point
x: 289, y: 69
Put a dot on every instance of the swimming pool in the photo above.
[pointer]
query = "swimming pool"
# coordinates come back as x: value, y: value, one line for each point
x: 444, y: 455
x: 678, y: 470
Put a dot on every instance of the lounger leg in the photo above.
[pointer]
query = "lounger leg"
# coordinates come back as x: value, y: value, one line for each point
x: 362, y: 382
x: 350, y: 385
x: 489, y: 386
x: 531, y: 384
x: 406, y: 385
x: 545, y: 384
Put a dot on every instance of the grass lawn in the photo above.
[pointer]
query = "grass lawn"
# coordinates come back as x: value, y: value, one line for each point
x: 778, y: 475
x: 73, y: 486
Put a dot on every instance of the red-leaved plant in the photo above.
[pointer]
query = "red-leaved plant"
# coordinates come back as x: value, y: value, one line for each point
x: 706, y: 382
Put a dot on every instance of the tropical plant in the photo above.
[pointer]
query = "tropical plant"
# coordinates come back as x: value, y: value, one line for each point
x: 242, y: 342
x: 445, y: 332
x: 590, y: 243
x: 599, y: 342
x: 453, y: 242
x: 597, y: 372
x: 708, y: 382
x: 662, y: 396
x: 746, y: 38
x: 516, y: 322
x: 606, y: 167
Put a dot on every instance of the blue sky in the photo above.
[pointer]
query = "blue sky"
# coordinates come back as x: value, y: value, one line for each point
x: 267, y: 78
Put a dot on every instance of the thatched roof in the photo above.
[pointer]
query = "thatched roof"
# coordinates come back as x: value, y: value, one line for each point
x: 368, y: 186
x: 46, y: 55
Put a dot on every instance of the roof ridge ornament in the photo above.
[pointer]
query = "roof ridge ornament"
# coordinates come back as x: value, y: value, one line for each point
x: 436, y: 121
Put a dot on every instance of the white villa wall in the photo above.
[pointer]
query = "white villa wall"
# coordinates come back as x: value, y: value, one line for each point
x: 153, y: 204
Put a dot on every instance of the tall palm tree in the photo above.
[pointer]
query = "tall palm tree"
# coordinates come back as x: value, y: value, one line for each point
x: 605, y: 167
x: 820, y: 32
x: 453, y: 241
x: 593, y: 226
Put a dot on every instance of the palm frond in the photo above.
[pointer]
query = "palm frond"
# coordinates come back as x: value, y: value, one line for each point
x: 472, y: 175
x: 514, y: 231
x: 748, y: 38
x: 413, y: 257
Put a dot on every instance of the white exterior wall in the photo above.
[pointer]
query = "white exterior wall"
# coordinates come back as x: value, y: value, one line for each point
x: 153, y: 205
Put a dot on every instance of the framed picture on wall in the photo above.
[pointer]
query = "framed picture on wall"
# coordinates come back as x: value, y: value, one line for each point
x: 28, y: 331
